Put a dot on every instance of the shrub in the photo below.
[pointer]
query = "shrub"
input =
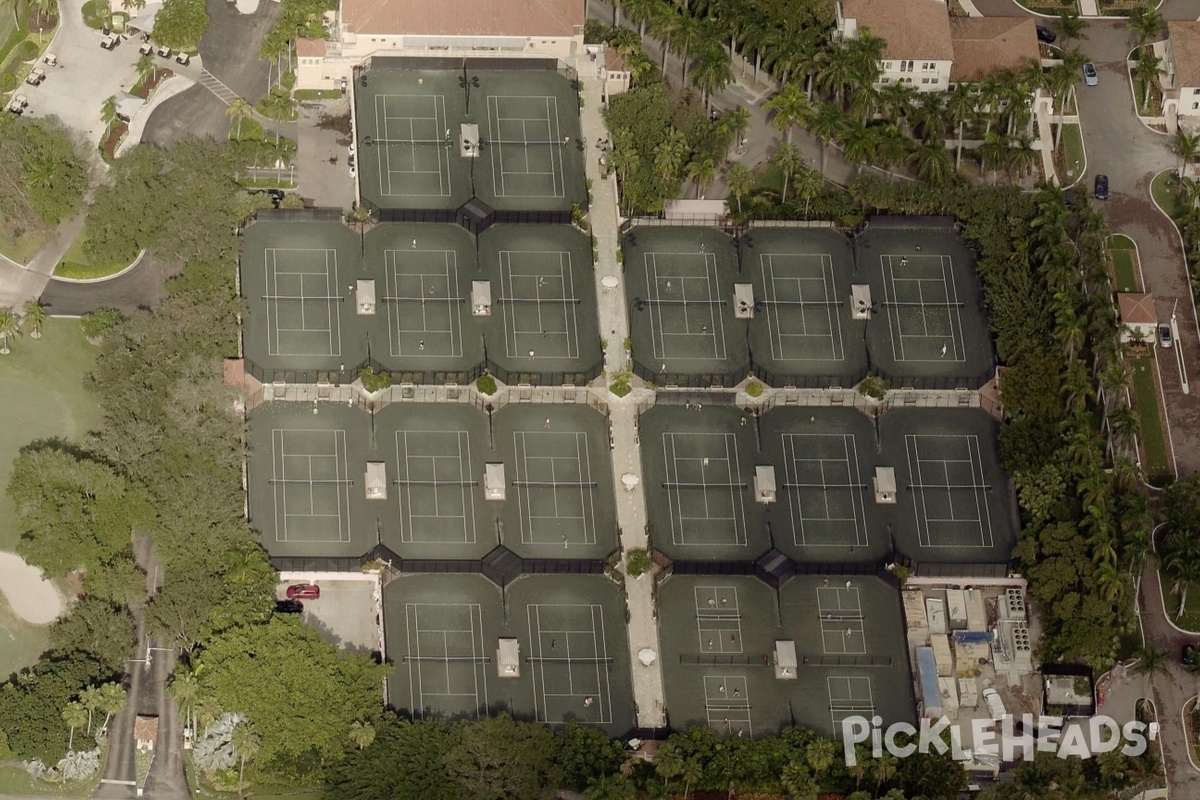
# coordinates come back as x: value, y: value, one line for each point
x: 374, y: 381
x: 874, y: 387
x: 754, y: 389
x: 638, y: 563
x: 288, y: 81
x: 8, y: 82
x: 620, y: 385
x: 486, y: 384
x: 99, y: 322
x: 27, y: 50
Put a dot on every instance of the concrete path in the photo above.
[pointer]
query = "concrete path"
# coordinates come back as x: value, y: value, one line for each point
x: 648, y: 692
x: 21, y: 283
x: 169, y: 88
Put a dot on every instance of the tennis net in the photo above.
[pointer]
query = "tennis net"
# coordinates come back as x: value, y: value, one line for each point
x: 326, y: 298
x: 450, y: 659
x: 552, y: 300
x: 803, y: 302
x: 423, y: 298
x: 312, y: 481
x: 566, y: 660
x: 682, y: 485
x: 434, y: 483
x: 557, y: 484
x: 922, y: 304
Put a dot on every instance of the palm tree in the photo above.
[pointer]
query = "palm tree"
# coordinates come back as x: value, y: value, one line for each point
x: 1061, y: 82
x: 10, y: 328
x: 713, y: 71
x: 932, y: 162
x: 1071, y: 26
x: 789, y: 159
x: 89, y: 698
x: 1146, y: 70
x: 640, y: 67
x: 891, y: 147
x: 807, y: 184
x: 1146, y: 22
x: 691, y: 35
x: 1151, y: 661
x: 108, y: 110
x: 1187, y: 147
x: 1023, y: 157
x: 826, y: 124
x: 1123, y: 422
x: 819, y: 755
x: 886, y: 767
x: 112, y: 700
x: 145, y: 67
x: 961, y: 105
x: 34, y: 315
x: 246, y: 743
x: 362, y: 734
x: 739, y: 181
x: 668, y: 764
x: 692, y: 773
x: 184, y: 690
x: 859, y: 145
x: 702, y: 171
x: 664, y: 23
x: 992, y: 153
x: 640, y: 12
x: 791, y: 108
x: 75, y: 715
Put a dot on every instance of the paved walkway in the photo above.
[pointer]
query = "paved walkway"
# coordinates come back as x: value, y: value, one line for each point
x: 648, y: 691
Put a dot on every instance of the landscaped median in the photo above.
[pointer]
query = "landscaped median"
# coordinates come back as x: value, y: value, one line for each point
x: 77, y: 264
x: 1156, y: 464
x: 1070, y: 159
x: 1123, y: 258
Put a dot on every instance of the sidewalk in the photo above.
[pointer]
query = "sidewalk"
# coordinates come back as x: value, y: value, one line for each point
x: 626, y: 453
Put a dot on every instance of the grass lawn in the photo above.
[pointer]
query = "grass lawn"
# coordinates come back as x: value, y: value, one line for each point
x: 76, y: 264
x: 16, y: 781
x: 1190, y: 620
x: 1145, y: 391
x: 1070, y: 145
x: 1124, y: 260
x: 23, y: 248
x: 1162, y: 189
x: 42, y: 394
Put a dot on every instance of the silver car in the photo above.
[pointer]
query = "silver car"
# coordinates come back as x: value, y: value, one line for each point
x: 1090, y: 76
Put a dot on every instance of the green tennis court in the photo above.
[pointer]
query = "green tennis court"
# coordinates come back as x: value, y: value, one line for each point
x: 548, y: 648
x: 416, y: 150
x: 724, y: 667
x: 680, y: 287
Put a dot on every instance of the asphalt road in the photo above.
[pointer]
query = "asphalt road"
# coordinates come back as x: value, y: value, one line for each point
x: 142, y: 287
x: 230, y: 51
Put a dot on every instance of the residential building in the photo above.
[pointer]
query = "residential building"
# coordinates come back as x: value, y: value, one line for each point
x: 613, y: 72
x: 983, y: 45
x: 1180, y: 55
x: 361, y: 29
x: 919, y: 50
x: 1138, y: 317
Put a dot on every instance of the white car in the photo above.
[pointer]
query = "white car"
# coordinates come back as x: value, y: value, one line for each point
x: 353, y: 172
x: 995, y: 705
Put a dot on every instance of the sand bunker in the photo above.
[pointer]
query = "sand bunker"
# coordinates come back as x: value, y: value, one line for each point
x: 32, y: 597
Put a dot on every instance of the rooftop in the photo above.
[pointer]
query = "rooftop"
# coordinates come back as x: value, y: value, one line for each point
x: 985, y: 45
x: 310, y: 48
x: 1185, y: 45
x: 1137, y: 308
x: 464, y: 17
x: 912, y: 28
x: 145, y: 729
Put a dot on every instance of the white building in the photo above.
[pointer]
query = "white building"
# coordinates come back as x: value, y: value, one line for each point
x: 511, y: 28
x: 919, y: 50
x: 1180, y: 54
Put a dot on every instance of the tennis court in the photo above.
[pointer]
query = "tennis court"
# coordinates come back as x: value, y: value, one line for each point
x: 557, y: 463
x: 824, y: 460
x: 956, y: 502
x: 803, y: 326
x: 434, y: 138
x: 698, y: 465
x: 680, y: 286
x: 752, y: 690
x: 928, y: 325
x: 566, y: 657
x: 306, y: 479
x: 299, y: 282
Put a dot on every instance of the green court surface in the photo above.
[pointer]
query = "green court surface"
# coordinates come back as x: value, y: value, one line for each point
x: 803, y: 331
x: 415, y: 154
x: 824, y: 461
x: 928, y: 329
x: 310, y: 495
x: 723, y: 666
x: 40, y: 402
x: 956, y: 503
x: 443, y: 635
x: 426, y: 301
x: 698, y: 476
x: 679, y: 284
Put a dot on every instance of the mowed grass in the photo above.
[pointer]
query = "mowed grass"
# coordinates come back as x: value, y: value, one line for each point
x: 43, y: 396
x: 1162, y: 189
x: 1145, y: 392
x: 1074, y: 159
x: 1124, y: 260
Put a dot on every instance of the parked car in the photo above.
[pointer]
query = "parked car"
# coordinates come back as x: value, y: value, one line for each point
x: 1101, y: 187
x: 304, y: 591
x: 36, y: 76
x: 289, y: 607
x: 1191, y: 655
x: 995, y: 705
x: 109, y: 42
x: 1164, y: 335
x: 183, y: 58
x: 1090, y: 76
x: 164, y: 52
x: 1046, y: 35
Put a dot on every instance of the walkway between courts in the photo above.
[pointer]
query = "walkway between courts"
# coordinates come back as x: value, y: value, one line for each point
x: 626, y: 452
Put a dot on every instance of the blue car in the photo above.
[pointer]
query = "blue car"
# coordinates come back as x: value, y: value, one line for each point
x: 1101, y: 187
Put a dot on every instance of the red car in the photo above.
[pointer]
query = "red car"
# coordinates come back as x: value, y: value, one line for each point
x: 304, y: 591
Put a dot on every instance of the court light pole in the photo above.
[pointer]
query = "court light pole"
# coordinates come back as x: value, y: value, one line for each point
x: 467, y: 84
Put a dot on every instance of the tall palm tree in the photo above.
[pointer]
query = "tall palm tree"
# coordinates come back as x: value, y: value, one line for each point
x: 702, y: 171
x: 668, y: 764
x: 1187, y: 147
x: 112, y: 700
x: 362, y: 734
x: 931, y: 162
x: 691, y: 35
x: 640, y: 12
x: 1146, y: 70
x: 1146, y: 22
x: 807, y: 183
x: 859, y: 145
x: 791, y: 108
x: 712, y: 72
x: 1061, y: 82
x: 184, y: 689
x: 1023, y: 158
x: 892, y: 148
x: 993, y: 153
x: 826, y: 124
x: 961, y: 106
x: 664, y: 24
x: 789, y: 159
x: 34, y: 316
x: 10, y: 328
x: 89, y: 698
x: 739, y: 181
x: 692, y: 773
x: 145, y: 67
x: 246, y: 743
x: 108, y: 110
x: 75, y: 715
x: 1071, y: 26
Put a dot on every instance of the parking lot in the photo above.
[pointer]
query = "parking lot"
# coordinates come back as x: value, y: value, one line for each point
x: 345, y: 614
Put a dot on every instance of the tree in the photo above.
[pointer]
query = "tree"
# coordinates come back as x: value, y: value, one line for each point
x: 75, y: 715
x: 1071, y: 26
x: 111, y: 700
x: 739, y: 181
x: 826, y: 124
x: 789, y: 159
x: 791, y: 108
x: 108, y: 110
x: 1152, y: 661
x: 145, y: 67
x: 31, y: 706
x: 246, y: 745
x: 99, y: 628
x: 1146, y: 22
x: 238, y: 110
x: 34, y: 316
x: 668, y: 763
x: 89, y: 698
x: 961, y: 105
x: 702, y: 171
x: 184, y: 689
x: 1146, y: 70
x: 1187, y: 147
x: 932, y: 163
x: 807, y: 183
x: 180, y: 24
x: 586, y: 755
x: 712, y: 72
x: 501, y: 758
x: 362, y: 734
x: 10, y: 328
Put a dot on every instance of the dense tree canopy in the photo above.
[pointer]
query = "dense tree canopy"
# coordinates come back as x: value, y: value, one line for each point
x: 43, y: 174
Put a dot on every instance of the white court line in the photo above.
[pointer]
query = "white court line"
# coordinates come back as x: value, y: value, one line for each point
x: 537, y: 633
x: 272, y: 275
x: 727, y: 704
x: 959, y: 343
x: 771, y: 283
x: 280, y: 456
x: 716, y: 321
x: 444, y: 306
x: 675, y: 493
x: 923, y: 519
x: 385, y: 125
x: 553, y: 131
x: 837, y: 618
x: 509, y: 288
x: 405, y: 460
x: 416, y: 674
x: 582, y: 473
x: 849, y: 695
x: 853, y: 476
x: 717, y: 615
